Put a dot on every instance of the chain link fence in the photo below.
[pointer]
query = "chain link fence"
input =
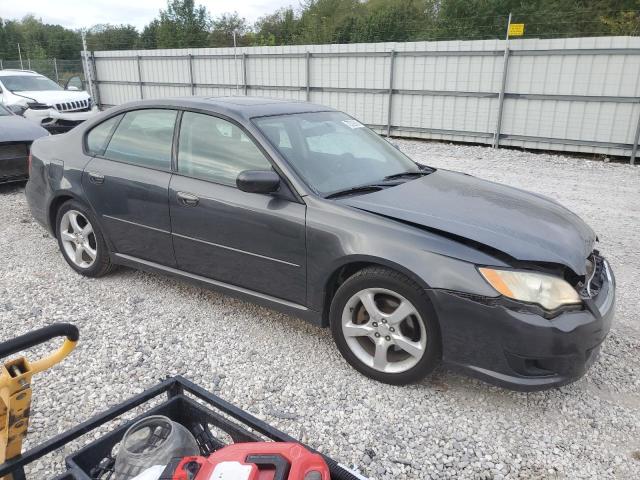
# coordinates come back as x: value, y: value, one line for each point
x: 59, y: 71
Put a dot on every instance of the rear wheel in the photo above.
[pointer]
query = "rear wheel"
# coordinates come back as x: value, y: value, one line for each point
x: 80, y: 240
x: 385, y: 326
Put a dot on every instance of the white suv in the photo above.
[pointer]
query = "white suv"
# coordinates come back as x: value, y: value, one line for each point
x: 42, y: 100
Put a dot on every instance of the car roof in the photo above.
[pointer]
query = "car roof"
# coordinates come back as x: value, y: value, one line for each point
x: 11, y: 72
x: 236, y: 106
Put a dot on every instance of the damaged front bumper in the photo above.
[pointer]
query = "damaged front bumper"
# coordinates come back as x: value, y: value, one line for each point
x: 519, y: 348
x: 59, y: 122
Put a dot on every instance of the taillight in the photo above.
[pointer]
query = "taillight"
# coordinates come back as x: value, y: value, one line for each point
x: 29, y: 163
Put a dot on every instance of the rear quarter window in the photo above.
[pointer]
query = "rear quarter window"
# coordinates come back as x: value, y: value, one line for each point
x: 99, y: 135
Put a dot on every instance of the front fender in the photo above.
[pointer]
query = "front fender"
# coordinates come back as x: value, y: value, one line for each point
x: 339, y: 236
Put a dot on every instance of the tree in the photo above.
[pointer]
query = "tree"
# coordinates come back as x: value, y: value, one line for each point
x: 112, y: 37
x: 223, y: 27
x: 149, y: 36
x: 182, y: 25
x: 279, y: 28
x: 37, y: 40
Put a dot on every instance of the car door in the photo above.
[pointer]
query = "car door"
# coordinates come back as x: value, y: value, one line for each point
x: 127, y: 182
x: 251, y: 240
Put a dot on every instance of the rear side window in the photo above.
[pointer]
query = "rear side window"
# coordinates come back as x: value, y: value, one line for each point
x: 99, y: 136
x: 144, y: 137
x: 213, y: 149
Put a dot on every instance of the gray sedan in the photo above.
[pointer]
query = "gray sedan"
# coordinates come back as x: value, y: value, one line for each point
x: 302, y: 208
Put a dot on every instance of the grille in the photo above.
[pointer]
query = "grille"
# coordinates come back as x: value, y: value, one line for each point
x: 13, y: 151
x: 81, y: 105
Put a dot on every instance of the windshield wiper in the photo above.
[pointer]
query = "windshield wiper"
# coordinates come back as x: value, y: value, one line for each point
x: 354, y: 190
x: 407, y: 174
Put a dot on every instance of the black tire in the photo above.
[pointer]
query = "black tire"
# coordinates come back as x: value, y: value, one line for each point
x: 383, y: 278
x: 102, y: 264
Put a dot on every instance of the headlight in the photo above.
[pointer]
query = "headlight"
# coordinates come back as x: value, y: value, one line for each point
x: 547, y: 291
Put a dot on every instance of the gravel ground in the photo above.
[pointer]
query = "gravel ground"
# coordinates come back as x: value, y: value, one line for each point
x: 137, y: 328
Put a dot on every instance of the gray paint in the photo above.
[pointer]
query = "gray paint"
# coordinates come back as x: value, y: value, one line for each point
x: 525, y: 226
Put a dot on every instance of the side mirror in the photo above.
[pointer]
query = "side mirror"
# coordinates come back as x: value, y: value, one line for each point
x: 74, y: 84
x: 258, y: 181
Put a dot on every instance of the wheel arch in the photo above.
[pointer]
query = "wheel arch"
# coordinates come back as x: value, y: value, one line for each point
x: 60, y: 199
x: 350, y: 266
x: 55, y: 204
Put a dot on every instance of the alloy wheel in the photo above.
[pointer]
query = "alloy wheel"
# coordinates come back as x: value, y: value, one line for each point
x: 384, y: 330
x: 78, y: 239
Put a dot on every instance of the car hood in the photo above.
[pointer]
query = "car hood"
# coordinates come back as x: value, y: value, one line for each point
x: 18, y: 129
x: 524, y: 225
x: 50, y: 97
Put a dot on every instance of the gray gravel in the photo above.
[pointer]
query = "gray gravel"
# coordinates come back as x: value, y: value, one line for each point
x: 137, y: 328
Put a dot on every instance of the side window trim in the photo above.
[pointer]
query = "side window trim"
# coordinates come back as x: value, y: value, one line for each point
x: 110, y: 136
x: 175, y: 145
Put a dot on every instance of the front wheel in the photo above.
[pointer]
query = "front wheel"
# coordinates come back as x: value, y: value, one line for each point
x: 81, y: 241
x: 385, y: 326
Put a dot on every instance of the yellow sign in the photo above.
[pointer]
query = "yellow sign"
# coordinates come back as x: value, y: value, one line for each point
x: 516, y: 29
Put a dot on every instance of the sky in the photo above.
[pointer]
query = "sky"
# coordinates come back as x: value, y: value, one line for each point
x: 86, y: 13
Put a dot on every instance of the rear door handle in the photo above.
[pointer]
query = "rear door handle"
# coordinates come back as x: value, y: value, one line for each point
x: 97, y: 178
x: 188, y: 199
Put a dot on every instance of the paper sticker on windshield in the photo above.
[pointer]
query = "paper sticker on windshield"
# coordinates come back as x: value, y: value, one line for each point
x: 353, y: 123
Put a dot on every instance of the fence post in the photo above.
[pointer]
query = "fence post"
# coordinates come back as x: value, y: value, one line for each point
x: 55, y: 69
x: 505, y: 69
x: 636, y: 139
x: 392, y: 62
x: 1, y: 67
x: 94, y: 80
x: 308, y: 69
x: 244, y: 73
x: 28, y: 64
x: 503, y: 86
x: 193, y: 85
x: 140, y: 77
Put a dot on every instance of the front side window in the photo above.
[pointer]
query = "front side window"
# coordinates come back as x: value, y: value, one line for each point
x: 98, y: 137
x: 144, y: 138
x: 29, y: 83
x: 4, y: 112
x: 332, y: 151
x: 213, y: 149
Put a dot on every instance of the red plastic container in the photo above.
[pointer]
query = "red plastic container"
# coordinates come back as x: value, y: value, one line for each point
x: 252, y: 461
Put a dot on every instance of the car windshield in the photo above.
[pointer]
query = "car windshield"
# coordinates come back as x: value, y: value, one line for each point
x: 333, y: 152
x: 28, y: 83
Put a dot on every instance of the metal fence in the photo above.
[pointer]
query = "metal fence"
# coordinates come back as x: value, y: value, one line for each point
x: 58, y: 70
x: 576, y: 94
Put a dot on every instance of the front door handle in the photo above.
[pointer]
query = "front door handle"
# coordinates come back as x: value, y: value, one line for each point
x: 97, y: 178
x: 188, y: 199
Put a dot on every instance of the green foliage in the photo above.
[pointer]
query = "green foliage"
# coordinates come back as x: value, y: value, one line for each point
x: 112, y: 37
x: 223, y: 27
x: 280, y: 28
x: 37, y: 40
x: 149, y: 36
x: 183, y: 23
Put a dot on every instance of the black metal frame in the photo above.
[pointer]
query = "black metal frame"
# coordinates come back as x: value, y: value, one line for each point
x: 240, y: 425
